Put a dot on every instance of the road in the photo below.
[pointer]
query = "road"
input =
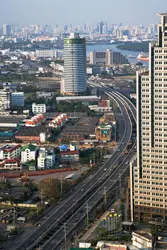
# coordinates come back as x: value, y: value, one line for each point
x: 62, y: 236
x: 50, y: 234
x: 55, y: 238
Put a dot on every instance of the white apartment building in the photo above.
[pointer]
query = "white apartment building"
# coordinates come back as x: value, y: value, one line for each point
x: 17, y: 99
x: 28, y: 153
x: 10, y: 152
x: 38, y: 108
x: 46, y: 53
x: 4, y: 99
x: 45, y: 159
x: 149, y: 179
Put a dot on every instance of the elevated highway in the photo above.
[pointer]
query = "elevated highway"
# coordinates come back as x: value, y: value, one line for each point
x: 69, y: 216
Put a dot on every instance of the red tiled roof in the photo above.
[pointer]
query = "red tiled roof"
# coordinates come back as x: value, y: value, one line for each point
x: 11, y: 148
x: 16, y: 160
x: 76, y: 152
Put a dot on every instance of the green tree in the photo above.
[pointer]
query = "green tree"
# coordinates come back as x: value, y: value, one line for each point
x: 2, y: 237
x: 154, y: 231
x: 144, y: 46
x: 51, y: 188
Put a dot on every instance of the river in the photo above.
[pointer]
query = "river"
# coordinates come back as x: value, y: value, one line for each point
x: 103, y: 47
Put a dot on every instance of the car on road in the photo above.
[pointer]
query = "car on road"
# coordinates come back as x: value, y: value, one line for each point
x: 37, y: 224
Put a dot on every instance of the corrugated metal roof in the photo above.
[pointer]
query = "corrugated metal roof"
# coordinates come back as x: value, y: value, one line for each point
x: 77, y: 98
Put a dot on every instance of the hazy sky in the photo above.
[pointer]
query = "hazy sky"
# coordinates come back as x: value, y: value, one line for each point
x: 80, y: 11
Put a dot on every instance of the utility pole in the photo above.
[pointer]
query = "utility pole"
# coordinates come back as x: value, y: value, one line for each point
x: 61, y: 185
x: 114, y: 225
x: 105, y: 196
x: 42, y: 201
x: 94, y: 159
x: 115, y: 128
x: 105, y: 150
x: 14, y: 216
x: 87, y: 214
x: 120, y: 185
x: 79, y: 171
x: 65, y: 237
x: 41, y: 193
x: 37, y: 209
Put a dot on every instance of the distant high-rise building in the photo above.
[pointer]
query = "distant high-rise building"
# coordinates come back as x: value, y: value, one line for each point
x: 84, y: 27
x: 6, y: 29
x: 115, y: 57
x: 149, y: 178
x: 65, y: 28
x: 97, y: 57
x: 105, y: 29
x: 152, y: 29
x: 88, y: 28
x: 108, y: 57
x: 75, y: 64
x: 100, y: 27
x: 137, y: 30
x: 119, y: 34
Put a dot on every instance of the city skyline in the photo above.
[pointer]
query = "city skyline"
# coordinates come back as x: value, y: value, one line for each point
x: 83, y: 124
x: 53, y: 12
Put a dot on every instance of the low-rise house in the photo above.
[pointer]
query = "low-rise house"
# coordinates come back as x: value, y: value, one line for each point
x: 142, y: 240
x: 35, y: 121
x: 47, y: 95
x: 69, y: 155
x: 10, y: 164
x: 16, y: 194
x: 32, y: 134
x: 6, y: 136
x: 83, y: 129
x: 100, y: 109
x: 103, y: 133
x: 10, y: 121
x: 58, y: 121
x: 101, y: 245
